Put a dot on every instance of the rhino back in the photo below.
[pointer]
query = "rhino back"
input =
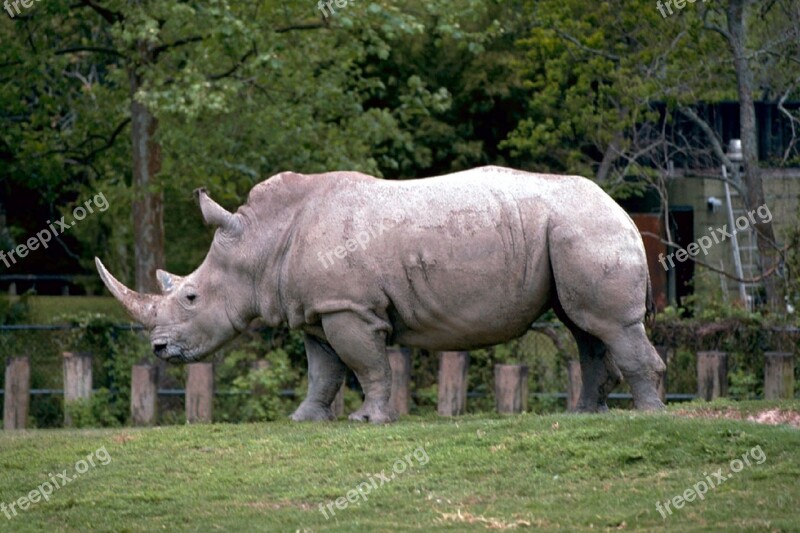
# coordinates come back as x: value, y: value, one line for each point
x: 456, y: 261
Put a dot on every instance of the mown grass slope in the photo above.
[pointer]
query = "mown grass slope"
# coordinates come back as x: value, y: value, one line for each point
x: 567, y: 472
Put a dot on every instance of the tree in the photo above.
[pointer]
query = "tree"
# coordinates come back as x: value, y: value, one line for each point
x: 740, y: 16
x: 611, y: 82
x: 214, y: 94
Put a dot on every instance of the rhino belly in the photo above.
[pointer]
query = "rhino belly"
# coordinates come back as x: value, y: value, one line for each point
x: 452, y: 301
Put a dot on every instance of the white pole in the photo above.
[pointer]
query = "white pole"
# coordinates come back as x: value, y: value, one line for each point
x: 737, y: 258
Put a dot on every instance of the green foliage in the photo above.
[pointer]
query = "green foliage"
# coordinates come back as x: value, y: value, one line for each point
x: 114, y: 352
x: 15, y: 309
x: 792, y: 266
x: 382, y: 88
x: 744, y: 335
x: 255, y: 393
x: 99, y: 410
x: 744, y: 385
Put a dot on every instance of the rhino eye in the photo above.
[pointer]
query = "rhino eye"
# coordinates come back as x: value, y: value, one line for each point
x: 191, y: 298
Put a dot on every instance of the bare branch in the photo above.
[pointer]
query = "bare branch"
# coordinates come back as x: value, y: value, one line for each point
x: 175, y: 44
x: 97, y: 49
x: 301, y: 27
x: 756, y: 279
x: 235, y: 67
x: 792, y: 118
x: 612, y: 57
x: 716, y: 145
x: 110, y: 16
x: 714, y: 27
x: 110, y: 142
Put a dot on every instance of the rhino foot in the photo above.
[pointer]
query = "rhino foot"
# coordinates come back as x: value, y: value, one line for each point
x: 309, y: 412
x: 599, y: 408
x: 651, y: 404
x: 375, y: 414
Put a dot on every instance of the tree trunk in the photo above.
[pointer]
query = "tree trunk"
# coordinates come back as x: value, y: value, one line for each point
x: 148, y: 203
x: 737, y: 37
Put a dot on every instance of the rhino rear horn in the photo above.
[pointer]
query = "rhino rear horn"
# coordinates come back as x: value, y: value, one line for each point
x: 216, y: 215
x: 141, y: 307
x: 167, y: 281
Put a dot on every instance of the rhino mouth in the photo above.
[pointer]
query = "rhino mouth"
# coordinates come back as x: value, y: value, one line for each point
x: 170, y: 353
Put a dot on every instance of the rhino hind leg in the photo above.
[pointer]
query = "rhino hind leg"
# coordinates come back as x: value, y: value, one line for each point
x: 627, y: 352
x: 325, y: 375
x: 362, y: 347
x: 599, y: 374
x: 609, y: 305
x: 639, y: 362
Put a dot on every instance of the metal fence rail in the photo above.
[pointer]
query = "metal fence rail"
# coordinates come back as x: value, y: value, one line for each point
x: 290, y: 393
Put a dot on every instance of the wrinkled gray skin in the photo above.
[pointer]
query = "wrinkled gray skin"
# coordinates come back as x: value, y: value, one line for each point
x: 454, y: 262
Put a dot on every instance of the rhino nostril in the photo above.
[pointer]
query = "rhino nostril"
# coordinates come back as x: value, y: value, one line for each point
x: 159, y: 348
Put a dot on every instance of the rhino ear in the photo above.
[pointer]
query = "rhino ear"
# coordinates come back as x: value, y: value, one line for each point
x: 216, y: 215
x: 167, y: 281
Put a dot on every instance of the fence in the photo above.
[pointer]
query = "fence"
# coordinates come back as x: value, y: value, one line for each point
x: 510, y: 385
x: 510, y: 382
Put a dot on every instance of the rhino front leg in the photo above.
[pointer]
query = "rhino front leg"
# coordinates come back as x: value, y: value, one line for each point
x: 362, y: 347
x: 325, y: 375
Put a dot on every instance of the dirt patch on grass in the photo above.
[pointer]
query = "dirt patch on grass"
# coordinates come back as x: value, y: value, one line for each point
x: 771, y: 417
x: 275, y: 506
x: 465, y: 517
x: 122, y: 438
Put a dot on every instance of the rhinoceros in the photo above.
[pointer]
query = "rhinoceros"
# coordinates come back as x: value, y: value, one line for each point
x: 454, y: 262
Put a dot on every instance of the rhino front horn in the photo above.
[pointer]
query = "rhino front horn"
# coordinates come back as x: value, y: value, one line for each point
x: 141, y: 307
x: 216, y: 215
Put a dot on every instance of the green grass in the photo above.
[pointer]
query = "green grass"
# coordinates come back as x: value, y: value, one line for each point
x: 44, y: 308
x: 567, y: 472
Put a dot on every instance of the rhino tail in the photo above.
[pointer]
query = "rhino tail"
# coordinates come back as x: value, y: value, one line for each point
x: 650, y: 306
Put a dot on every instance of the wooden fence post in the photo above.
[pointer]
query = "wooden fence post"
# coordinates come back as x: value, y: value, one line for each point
x: 144, y: 394
x: 778, y: 375
x: 17, y: 397
x: 511, y: 388
x: 663, y: 352
x: 337, y: 406
x: 77, y: 380
x: 199, y: 392
x: 452, y: 384
x: 712, y: 375
x: 400, y: 361
x: 574, y: 384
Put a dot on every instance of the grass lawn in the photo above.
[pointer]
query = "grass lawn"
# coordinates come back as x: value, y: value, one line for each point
x: 44, y: 308
x: 567, y: 472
